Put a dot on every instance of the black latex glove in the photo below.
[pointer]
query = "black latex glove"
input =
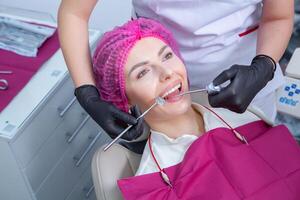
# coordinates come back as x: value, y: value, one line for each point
x: 136, y: 147
x: 246, y: 82
x: 110, y: 118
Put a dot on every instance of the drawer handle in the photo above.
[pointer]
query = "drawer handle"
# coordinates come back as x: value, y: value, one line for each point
x: 88, y: 191
x: 62, y: 113
x: 86, y: 151
x: 78, y: 129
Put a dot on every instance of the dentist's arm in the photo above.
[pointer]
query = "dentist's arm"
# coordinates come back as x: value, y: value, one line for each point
x: 274, y: 32
x: 73, y: 17
x: 276, y: 27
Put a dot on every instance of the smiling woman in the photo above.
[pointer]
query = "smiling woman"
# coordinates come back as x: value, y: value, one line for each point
x: 138, y: 62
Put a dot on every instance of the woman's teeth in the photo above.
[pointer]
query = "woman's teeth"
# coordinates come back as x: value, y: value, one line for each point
x: 176, y: 87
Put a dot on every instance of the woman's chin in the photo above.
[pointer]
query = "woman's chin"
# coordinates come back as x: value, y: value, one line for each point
x: 178, y: 101
x: 170, y: 109
x: 175, y: 107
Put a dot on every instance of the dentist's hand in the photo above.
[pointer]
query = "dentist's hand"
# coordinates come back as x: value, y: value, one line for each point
x: 246, y: 82
x: 111, y: 119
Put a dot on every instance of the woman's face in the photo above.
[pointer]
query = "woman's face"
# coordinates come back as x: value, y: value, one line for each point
x: 153, y: 69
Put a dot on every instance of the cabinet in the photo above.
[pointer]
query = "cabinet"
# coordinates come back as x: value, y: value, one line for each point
x: 47, y: 140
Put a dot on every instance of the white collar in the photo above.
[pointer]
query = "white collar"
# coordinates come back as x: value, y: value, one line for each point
x: 162, y: 138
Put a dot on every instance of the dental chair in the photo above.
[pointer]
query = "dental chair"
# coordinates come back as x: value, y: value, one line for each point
x: 119, y: 162
x: 109, y: 166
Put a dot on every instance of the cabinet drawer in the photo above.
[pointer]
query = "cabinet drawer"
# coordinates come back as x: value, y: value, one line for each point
x: 42, y: 125
x: 62, y: 94
x: 63, y: 177
x: 84, y: 189
x: 54, y: 148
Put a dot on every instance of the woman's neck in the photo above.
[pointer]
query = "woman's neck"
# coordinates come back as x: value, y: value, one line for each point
x: 190, y: 122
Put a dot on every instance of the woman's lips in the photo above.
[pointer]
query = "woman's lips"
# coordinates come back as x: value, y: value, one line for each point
x: 174, y: 97
x: 170, y: 88
x: 173, y: 94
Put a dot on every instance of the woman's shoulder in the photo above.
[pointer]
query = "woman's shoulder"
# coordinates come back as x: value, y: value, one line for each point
x: 212, y: 116
x: 237, y: 119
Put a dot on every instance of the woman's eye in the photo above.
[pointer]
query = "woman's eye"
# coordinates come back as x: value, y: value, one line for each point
x: 142, y: 73
x: 168, y: 56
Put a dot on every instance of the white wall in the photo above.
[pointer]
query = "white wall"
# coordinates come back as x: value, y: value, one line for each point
x: 106, y: 15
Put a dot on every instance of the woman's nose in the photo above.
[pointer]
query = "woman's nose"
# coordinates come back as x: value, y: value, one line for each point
x: 165, y: 73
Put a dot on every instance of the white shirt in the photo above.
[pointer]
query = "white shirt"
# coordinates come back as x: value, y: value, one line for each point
x: 169, y: 151
x: 208, y: 35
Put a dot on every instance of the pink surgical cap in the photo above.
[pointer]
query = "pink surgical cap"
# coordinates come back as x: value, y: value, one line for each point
x: 111, y: 54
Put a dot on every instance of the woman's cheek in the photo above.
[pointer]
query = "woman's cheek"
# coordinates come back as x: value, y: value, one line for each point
x: 143, y: 96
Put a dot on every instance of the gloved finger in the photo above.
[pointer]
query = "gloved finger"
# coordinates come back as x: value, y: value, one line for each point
x: 221, y: 99
x: 120, y: 124
x: 137, y: 147
x: 138, y: 128
x: 135, y: 111
x: 229, y: 98
x: 122, y: 116
x: 135, y: 131
x: 225, y: 98
x: 225, y: 75
x: 113, y: 129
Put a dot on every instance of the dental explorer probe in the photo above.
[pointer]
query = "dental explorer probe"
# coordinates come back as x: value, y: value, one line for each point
x: 158, y: 101
x: 210, y: 89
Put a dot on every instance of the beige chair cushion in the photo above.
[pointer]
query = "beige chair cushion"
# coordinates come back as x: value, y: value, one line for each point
x: 109, y: 166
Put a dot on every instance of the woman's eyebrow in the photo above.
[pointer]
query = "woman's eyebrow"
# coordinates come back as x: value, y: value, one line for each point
x: 137, y: 65
x: 162, y: 50
x: 146, y: 62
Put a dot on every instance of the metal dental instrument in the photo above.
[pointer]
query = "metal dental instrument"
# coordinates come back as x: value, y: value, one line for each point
x: 6, y: 72
x: 210, y: 89
x: 158, y: 101
x: 4, y: 82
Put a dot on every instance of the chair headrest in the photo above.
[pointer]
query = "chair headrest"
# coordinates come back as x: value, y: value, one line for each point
x: 111, y: 165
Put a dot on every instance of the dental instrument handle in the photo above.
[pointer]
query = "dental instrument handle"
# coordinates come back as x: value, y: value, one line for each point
x: 120, y: 135
x: 158, y: 101
x: 129, y: 127
x: 215, y: 89
x: 210, y: 89
x: 192, y: 91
